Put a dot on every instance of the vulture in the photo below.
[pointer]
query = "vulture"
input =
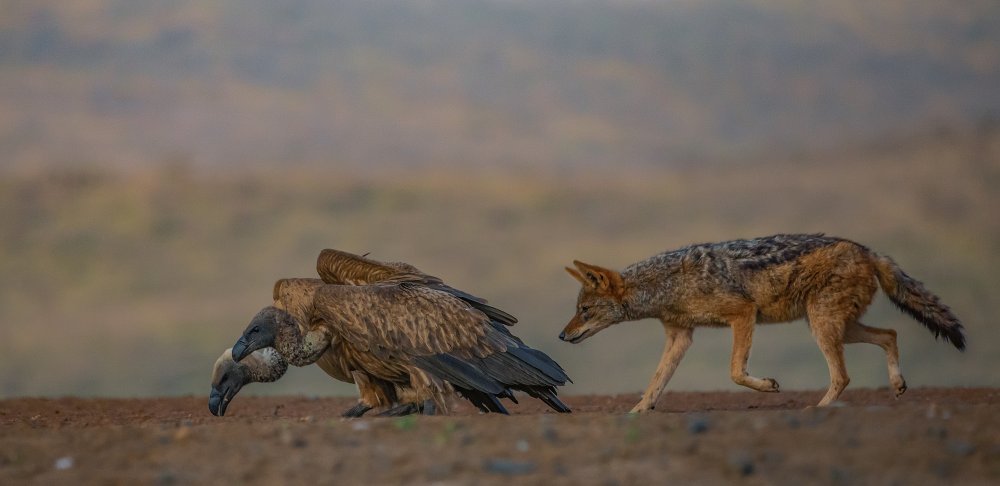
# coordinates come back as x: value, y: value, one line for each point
x: 410, y: 330
x: 228, y: 376
x: 295, y: 296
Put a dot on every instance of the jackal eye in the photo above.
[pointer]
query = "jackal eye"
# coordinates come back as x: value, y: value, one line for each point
x: 584, y: 312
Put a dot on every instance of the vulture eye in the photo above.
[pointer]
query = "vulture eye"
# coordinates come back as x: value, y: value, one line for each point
x: 255, y: 329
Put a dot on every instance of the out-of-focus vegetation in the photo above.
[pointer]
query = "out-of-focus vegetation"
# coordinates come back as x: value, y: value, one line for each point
x: 465, y: 82
x: 132, y: 282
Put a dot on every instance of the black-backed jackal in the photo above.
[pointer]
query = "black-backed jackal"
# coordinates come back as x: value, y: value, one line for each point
x: 829, y: 281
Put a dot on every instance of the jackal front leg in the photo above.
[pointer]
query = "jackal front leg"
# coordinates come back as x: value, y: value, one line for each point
x: 678, y: 341
x: 742, y: 339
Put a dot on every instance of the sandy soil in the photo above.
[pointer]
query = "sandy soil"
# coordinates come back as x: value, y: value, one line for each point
x: 929, y: 436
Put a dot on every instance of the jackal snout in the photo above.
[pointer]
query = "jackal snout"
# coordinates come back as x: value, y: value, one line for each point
x: 577, y: 330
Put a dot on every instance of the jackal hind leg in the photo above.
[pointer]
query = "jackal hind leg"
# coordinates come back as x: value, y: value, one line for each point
x: 742, y: 340
x: 857, y: 332
x: 678, y: 342
x: 829, y: 334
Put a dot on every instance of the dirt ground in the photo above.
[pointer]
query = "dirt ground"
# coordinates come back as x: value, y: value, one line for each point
x: 929, y: 436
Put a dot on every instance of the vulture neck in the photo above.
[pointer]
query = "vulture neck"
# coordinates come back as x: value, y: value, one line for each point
x: 301, y: 350
x: 265, y: 366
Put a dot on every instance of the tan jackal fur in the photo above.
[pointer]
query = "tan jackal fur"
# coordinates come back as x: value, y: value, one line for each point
x: 829, y: 281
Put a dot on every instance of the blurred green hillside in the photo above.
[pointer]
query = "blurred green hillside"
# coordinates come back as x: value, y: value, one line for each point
x: 132, y: 282
x: 460, y: 82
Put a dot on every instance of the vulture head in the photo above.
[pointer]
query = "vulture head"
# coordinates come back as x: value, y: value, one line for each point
x: 260, y: 333
x: 228, y: 376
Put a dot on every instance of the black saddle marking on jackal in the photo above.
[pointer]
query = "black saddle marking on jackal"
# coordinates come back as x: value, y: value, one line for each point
x: 759, y: 253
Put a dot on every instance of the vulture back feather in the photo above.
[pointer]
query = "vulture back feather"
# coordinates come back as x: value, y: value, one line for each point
x: 344, y: 268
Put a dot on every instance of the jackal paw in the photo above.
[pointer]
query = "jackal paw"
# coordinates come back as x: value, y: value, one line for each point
x: 770, y: 385
x: 642, y: 407
x: 900, y: 387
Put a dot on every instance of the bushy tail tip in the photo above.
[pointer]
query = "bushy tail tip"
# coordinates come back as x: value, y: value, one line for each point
x: 919, y: 303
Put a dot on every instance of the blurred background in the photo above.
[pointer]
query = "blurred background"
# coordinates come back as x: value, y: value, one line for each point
x: 163, y: 162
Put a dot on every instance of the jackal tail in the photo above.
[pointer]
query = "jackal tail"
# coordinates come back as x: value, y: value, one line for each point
x: 914, y: 299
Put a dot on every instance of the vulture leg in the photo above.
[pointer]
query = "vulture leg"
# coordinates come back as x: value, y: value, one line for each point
x: 401, y: 410
x: 429, y: 408
x: 356, y: 411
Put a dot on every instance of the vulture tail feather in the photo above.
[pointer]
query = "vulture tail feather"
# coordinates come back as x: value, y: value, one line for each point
x: 541, y: 362
x: 546, y: 394
x: 459, y: 372
x: 485, y: 402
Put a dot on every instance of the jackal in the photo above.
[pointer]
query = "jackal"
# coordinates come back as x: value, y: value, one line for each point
x: 829, y: 281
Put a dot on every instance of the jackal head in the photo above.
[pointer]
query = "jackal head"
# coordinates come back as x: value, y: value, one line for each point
x: 600, y: 303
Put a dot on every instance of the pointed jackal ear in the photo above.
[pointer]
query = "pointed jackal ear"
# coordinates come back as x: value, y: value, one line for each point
x: 578, y: 276
x: 600, y: 278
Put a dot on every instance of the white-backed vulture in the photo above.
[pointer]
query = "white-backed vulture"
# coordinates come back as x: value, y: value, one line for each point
x: 404, y: 332
x: 295, y: 296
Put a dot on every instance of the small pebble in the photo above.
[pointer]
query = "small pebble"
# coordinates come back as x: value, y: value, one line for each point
x: 937, y: 432
x: 290, y: 439
x: 64, y: 463
x: 439, y: 470
x: 943, y: 469
x: 741, y: 462
x: 932, y: 411
x: 166, y: 478
x: 549, y: 433
x: 360, y: 426
x: 522, y: 446
x: 792, y: 421
x: 548, y: 430
x: 960, y: 448
x: 840, y: 475
x: 508, y: 467
x: 697, y: 424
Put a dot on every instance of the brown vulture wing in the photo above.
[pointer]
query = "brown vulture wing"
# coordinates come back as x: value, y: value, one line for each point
x: 344, y: 268
x: 441, y: 334
x: 295, y: 296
